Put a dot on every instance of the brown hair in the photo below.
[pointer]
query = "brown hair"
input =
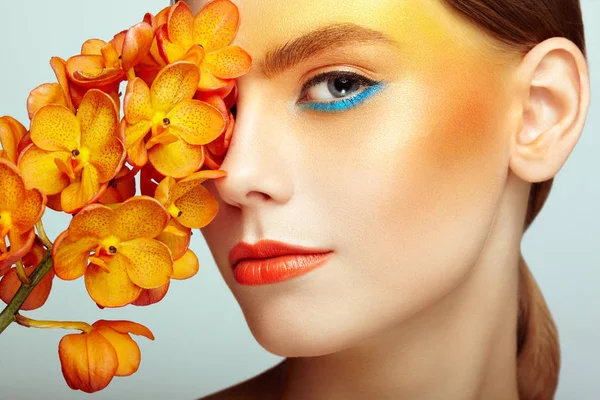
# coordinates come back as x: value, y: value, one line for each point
x: 519, y: 25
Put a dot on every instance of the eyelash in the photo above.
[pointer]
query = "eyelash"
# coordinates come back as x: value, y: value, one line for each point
x: 343, y: 104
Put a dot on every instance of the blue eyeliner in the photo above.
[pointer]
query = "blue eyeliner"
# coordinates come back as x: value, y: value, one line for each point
x: 344, y: 104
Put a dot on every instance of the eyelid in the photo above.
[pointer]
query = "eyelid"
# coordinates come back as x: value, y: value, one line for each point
x: 336, y: 73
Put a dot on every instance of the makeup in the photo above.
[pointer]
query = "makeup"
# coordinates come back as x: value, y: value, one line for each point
x: 252, y: 272
x: 345, y: 103
x: 270, y: 261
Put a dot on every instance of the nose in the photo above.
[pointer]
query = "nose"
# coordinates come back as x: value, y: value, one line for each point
x: 255, y: 161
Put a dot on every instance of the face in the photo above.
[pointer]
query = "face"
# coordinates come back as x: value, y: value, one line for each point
x: 401, y: 176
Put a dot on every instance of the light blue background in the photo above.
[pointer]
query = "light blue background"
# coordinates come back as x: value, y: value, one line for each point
x: 202, y: 341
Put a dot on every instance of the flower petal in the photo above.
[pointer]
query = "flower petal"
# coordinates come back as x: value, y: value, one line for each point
x: 126, y: 327
x: 11, y: 133
x: 197, y: 177
x: 177, y: 238
x: 168, y: 51
x: 198, y: 208
x: 179, y: 25
x: 55, y: 128
x: 128, y: 352
x: 30, y: 211
x: 113, y: 288
x: 46, y: 93
x: 136, y: 105
x: 229, y: 62
x: 93, y: 220
x: 92, y: 46
x: 59, y: 66
x: 12, y: 188
x: 150, y: 262
x: 139, y: 217
x: 79, y: 193
x: 137, y: 42
x: 152, y: 296
x: 91, y: 64
x: 178, y: 159
x: 98, y: 118
x: 196, y: 122
x: 109, y: 159
x: 121, y: 187
x: 186, y: 266
x: 70, y: 257
x: 88, y: 361
x: 216, y: 25
x: 10, y: 283
x: 134, y: 141
x: 209, y: 82
x: 20, y: 244
x: 40, y: 171
x: 174, y: 83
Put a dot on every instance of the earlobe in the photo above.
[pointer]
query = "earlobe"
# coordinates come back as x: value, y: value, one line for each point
x: 554, y: 91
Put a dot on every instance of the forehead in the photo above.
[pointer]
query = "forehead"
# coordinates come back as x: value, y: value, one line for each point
x: 428, y: 28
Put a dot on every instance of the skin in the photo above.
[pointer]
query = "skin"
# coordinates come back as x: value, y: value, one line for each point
x: 421, y: 192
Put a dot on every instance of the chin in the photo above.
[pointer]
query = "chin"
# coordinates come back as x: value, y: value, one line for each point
x: 300, y: 334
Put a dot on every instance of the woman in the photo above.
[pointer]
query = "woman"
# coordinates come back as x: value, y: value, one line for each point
x: 408, y: 144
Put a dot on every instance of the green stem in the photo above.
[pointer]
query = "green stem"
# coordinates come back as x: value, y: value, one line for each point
x: 8, y: 315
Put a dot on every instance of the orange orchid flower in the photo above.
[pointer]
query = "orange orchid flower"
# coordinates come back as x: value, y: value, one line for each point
x: 219, y: 146
x: 177, y: 237
x: 178, y: 125
x: 11, y: 133
x: 102, y: 64
x: 10, y: 283
x: 20, y: 209
x: 74, y: 155
x: 190, y: 203
x: 206, y: 40
x: 121, y: 187
x: 91, y: 359
x: 127, y: 257
x: 184, y: 267
x: 185, y: 262
x: 150, y: 65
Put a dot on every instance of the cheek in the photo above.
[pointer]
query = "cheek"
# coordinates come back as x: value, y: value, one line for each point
x: 423, y: 189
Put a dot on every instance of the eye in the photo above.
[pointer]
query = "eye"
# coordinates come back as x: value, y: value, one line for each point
x: 337, y: 91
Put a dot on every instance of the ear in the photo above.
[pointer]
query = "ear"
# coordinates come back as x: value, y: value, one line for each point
x: 553, y: 91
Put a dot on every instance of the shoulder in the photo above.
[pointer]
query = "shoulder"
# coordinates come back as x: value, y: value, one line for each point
x: 265, y: 386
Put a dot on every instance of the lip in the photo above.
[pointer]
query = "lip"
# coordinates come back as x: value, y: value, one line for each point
x: 270, y: 261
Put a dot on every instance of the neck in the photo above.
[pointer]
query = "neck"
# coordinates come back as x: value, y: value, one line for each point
x: 463, y: 347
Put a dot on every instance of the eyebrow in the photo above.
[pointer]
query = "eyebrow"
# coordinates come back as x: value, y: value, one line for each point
x: 299, y: 49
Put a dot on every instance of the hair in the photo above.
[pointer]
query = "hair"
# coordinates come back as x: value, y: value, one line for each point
x: 518, y: 26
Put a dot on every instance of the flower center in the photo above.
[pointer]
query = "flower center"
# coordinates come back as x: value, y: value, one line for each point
x: 5, y: 219
x: 174, y: 211
x: 111, y: 244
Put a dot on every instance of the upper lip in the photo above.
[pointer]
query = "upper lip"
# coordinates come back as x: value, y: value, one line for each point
x: 267, y: 248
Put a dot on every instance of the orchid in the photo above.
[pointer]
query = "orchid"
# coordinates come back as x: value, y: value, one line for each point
x: 74, y: 155
x: 10, y: 282
x: 187, y: 200
x: 126, y: 257
x: 20, y: 209
x: 205, y: 38
x: 11, y: 132
x: 165, y: 126
x: 91, y: 359
x: 102, y: 64
x: 80, y: 155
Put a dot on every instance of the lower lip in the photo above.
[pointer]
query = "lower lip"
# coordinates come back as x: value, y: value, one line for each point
x: 253, y: 272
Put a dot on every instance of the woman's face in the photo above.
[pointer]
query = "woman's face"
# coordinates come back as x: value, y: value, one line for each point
x: 402, y: 181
